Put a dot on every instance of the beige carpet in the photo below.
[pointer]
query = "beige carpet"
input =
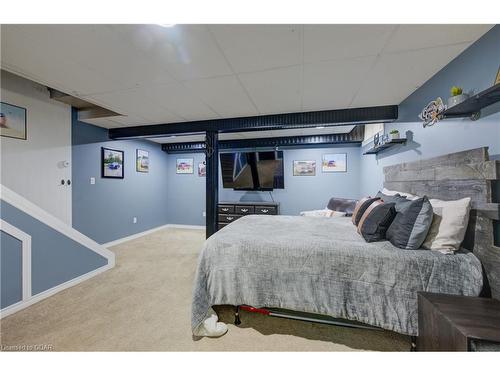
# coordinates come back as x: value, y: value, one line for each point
x: 144, y: 303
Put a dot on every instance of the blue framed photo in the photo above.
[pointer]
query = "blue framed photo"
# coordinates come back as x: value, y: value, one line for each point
x: 12, y: 121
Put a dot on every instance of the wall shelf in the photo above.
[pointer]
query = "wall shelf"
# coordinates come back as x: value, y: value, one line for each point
x: 375, y: 150
x: 472, y: 106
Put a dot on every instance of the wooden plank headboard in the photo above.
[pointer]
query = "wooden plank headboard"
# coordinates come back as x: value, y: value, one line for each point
x: 455, y: 176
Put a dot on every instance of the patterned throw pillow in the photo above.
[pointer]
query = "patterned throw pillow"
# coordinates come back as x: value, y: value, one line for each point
x: 361, y: 207
x: 409, y: 228
x: 376, y: 220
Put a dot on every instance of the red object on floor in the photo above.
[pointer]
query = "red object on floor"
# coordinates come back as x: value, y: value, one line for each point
x: 255, y: 310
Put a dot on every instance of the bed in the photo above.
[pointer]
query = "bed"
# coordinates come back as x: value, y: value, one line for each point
x: 322, y: 266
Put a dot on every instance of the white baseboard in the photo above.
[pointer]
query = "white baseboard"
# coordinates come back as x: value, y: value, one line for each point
x: 50, y: 292
x: 149, y: 231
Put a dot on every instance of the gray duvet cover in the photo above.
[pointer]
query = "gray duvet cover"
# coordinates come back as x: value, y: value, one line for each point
x: 322, y: 265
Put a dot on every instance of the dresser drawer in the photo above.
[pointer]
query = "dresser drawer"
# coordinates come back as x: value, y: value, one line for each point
x: 226, y: 209
x: 244, y: 210
x: 221, y: 225
x: 265, y: 210
x: 229, y: 218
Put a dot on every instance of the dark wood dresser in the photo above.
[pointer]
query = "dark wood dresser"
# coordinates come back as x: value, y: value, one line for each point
x: 231, y: 211
x: 457, y: 323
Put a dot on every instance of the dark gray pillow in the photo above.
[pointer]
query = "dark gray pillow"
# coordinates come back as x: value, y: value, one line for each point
x: 375, y: 221
x: 401, y: 203
x: 409, y: 228
x: 361, y: 207
x: 342, y: 205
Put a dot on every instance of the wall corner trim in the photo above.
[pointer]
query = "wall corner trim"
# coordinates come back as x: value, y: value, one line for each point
x: 149, y: 231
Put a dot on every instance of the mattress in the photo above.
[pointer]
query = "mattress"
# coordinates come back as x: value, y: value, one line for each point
x: 323, y: 266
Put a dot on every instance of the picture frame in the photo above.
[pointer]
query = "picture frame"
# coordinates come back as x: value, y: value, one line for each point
x: 304, y: 167
x: 142, y: 161
x: 184, y: 166
x: 202, y: 169
x: 497, y: 79
x: 13, y: 121
x: 112, y: 163
x: 334, y: 163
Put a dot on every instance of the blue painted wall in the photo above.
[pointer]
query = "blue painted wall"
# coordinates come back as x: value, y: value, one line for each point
x: 11, y: 281
x: 186, y: 193
x: 105, y: 211
x: 474, y: 70
x: 55, y: 258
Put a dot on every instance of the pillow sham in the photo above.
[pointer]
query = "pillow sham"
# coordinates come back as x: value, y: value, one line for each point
x: 375, y: 221
x: 410, y: 227
x: 401, y: 203
x: 449, y: 225
x: 408, y: 196
x: 360, y: 208
x: 322, y: 213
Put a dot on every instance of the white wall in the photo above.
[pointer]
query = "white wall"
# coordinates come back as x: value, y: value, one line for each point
x: 32, y: 167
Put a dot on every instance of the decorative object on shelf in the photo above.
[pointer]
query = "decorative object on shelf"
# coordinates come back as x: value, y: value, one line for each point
x: 376, y: 139
x: 497, y: 80
x: 202, y: 169
x: 432, y: 112
x: 12, y: 121
x: 393, y: 134
x: 112, y: 163
x: 304, y: 167
x: 334, y: 163
x: 142, y: 161
x: 457, y: 96
x: 184, y: 166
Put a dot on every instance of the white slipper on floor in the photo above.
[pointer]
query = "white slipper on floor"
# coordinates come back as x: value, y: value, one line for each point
x: 211, y: 327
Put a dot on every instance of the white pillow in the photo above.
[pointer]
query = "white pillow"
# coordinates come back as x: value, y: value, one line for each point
x: 322, y: 213
x: 449, y: 224
x: 408, y: 196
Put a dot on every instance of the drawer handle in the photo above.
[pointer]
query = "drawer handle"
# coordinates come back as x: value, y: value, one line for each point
x: 230, y: 218
x: 244, y: 210
x: 265, y: 210
x: 225, y: 209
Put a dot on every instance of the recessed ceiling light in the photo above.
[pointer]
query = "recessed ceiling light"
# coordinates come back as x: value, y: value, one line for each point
x: 166, y: 24
x: 320, y: 127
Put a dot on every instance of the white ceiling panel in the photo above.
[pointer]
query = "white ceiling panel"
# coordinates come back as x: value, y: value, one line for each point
x: 250, y: 48
x: 224, y: 95
x: 274, y: 91
x: 395, y: 74
x: 152, y: 74
x: 328, y: 42
x: 333, y: 84
x: 409, y: 37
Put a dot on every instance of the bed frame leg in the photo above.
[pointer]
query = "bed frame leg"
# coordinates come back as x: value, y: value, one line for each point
x: 413, y: 347
x: 237, y: 320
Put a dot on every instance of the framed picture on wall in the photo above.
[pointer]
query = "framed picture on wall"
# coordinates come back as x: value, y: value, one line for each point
x: 304, y: 167
x: 142, y: 161
x: 112, y: 163
x: 184, y: 166
x: 12, y: 121
x: 202, y: 169
x: 334, y: 163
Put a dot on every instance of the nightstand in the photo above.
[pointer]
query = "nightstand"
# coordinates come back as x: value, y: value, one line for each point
x: 457, y: 323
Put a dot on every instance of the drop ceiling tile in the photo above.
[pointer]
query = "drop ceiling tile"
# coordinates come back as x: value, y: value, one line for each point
x: 396, y: 75
x: 333, y: 42
x: 410, y: 37
x: 224, y: 95
x: 274, y: 91
x: 333, y: 84
x: 251, y: 48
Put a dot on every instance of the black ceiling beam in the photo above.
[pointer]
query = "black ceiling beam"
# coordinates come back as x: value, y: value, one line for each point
x: 268, y: 122
x: 355, y: 137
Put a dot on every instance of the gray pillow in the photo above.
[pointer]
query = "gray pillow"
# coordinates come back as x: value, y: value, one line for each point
x: 409, y: 228
x: 401, y: 203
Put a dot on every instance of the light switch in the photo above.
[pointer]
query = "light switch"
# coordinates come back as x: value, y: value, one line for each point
x: 92, y: 180
x: 134, y: 220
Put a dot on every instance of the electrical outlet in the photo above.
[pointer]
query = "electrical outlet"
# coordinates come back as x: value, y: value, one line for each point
x: 204, y: 214
x: 92, y: 180
x: 134, y: 220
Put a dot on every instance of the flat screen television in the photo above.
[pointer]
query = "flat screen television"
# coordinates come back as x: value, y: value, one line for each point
x: 252, y: 170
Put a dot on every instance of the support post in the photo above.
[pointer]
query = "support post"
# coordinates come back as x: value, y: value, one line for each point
x: 212, y: 180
